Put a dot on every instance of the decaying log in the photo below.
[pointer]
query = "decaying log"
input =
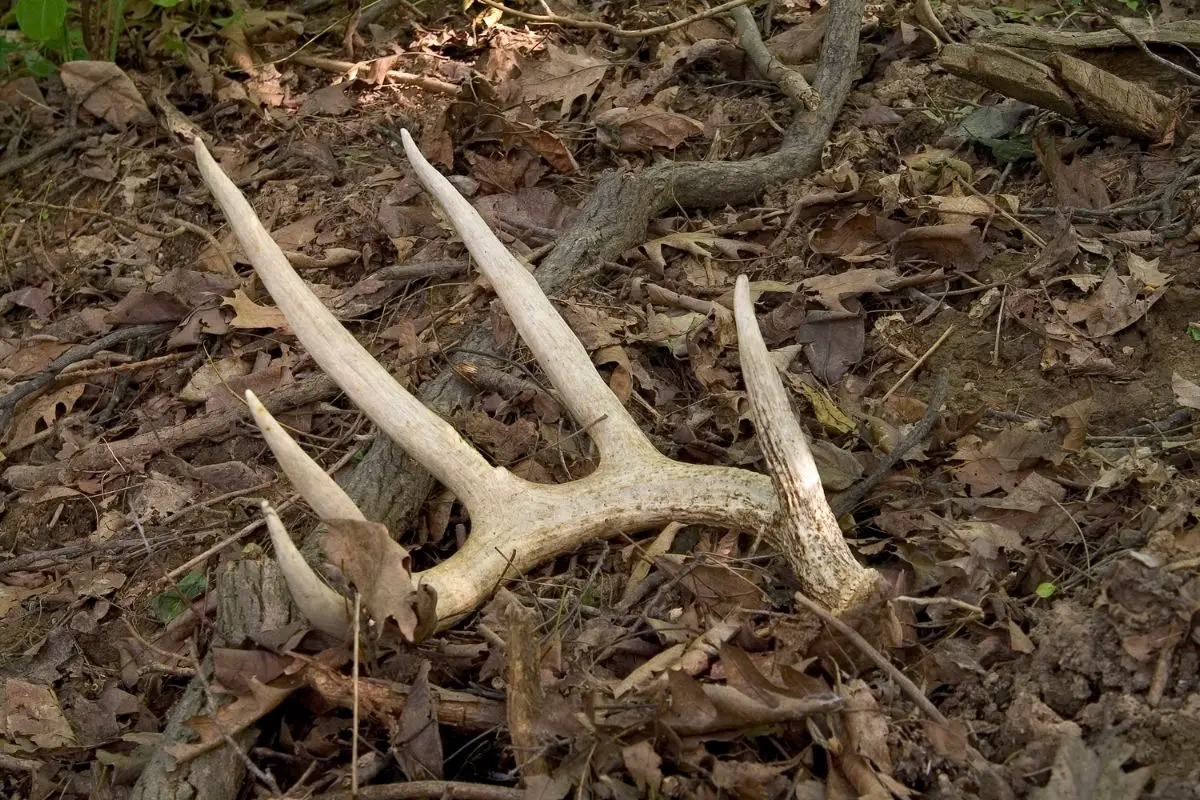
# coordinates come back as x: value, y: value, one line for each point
x: 253, y: 597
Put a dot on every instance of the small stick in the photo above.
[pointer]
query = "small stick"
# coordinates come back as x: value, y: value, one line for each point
x: 909, y: 688
x: 78, y: 353
x: 920, y: 361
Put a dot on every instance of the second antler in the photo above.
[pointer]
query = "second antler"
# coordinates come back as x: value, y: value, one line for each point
x: 516, y: 524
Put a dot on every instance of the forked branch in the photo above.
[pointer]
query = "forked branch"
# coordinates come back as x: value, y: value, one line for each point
x: 517, y: 524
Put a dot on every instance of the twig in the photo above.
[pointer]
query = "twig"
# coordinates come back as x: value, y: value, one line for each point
x: 78, y: 353
x: 11, y: 165
x: 924, y: 357
x: 265, y: 778
x: 909, y: 688
x: 593, y: 25
x: 347, y: 67
x: 183, y: 226
x: 1192, y: 77
x: 849, y: 500
x: 789, y: 81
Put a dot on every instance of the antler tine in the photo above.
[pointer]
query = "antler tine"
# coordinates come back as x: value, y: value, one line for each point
x: 423, y: 434
x: 810, y: 535
x: 324, y: 608
x: 320, y: 491
x: 557, y: 349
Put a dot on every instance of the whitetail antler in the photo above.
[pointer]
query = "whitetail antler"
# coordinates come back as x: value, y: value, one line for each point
x: 515, y: 524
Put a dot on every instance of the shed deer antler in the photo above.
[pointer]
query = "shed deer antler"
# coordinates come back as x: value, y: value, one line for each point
x: 516, y: 524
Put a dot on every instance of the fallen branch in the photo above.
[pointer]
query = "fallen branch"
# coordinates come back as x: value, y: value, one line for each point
x: 604, y: 27
x: 103, y: 456
x: 76, y: 354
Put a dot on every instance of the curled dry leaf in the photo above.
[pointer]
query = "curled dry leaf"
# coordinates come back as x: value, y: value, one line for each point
x: 634, y: 130
x: 381, y: 570
x: 106, y: 91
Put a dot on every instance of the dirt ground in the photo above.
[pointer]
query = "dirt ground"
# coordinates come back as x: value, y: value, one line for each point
x: 1039, y: 546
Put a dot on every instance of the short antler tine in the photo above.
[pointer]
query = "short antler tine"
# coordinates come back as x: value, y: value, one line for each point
x: 327, y: 610
x: 556, y: 347
x: 319, y: 490
x: 424, y: 435
x: 810, y: 535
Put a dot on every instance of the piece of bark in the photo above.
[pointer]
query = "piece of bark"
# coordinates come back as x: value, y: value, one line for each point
x: 1065, y: 85
x: 1108, y: 101
x: 253, y: 598
x: 525, y: 698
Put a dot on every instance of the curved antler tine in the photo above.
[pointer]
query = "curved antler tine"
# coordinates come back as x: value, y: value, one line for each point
x: 810, y: 536
x: 557, y: 349
x: 423, y: 434
x: 322, y: 492
x: 327, y: 610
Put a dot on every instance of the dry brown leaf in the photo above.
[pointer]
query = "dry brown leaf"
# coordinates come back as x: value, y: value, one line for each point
x: 34, y: 715
x: 641, y: 128
x: 561, y: 77
x: 381, y: 570
x: 106, y: 91
x: 249, y: 314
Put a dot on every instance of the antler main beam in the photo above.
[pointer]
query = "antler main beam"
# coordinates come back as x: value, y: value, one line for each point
x: 517, y: 524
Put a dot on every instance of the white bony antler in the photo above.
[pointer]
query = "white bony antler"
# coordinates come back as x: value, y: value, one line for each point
x: 515, y: 524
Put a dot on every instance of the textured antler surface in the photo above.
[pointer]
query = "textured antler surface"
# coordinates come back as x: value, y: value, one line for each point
x: 515, y: 524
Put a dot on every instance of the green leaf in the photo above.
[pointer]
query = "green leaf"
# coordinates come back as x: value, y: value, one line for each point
x: 1045, y: 590
x: 1193, y: 330
x: 169, y: 3
x: 170, y: 604
x: 38, y: 65
x: 41, y: 20
x: 1010, y: 149
x: 193, y: 584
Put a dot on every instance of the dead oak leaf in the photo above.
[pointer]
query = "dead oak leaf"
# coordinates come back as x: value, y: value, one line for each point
x: 249, y: 314
x: 382, y: 572
x: 635, y: 130
x: 831, y: 290
x: 561, y: 77
x: 698, y: 243
x: 1114, y: 306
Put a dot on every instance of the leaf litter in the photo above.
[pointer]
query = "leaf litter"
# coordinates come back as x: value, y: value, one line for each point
x: 1040, y: 547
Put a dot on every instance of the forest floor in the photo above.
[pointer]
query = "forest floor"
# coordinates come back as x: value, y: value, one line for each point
x: 1040, y: 547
